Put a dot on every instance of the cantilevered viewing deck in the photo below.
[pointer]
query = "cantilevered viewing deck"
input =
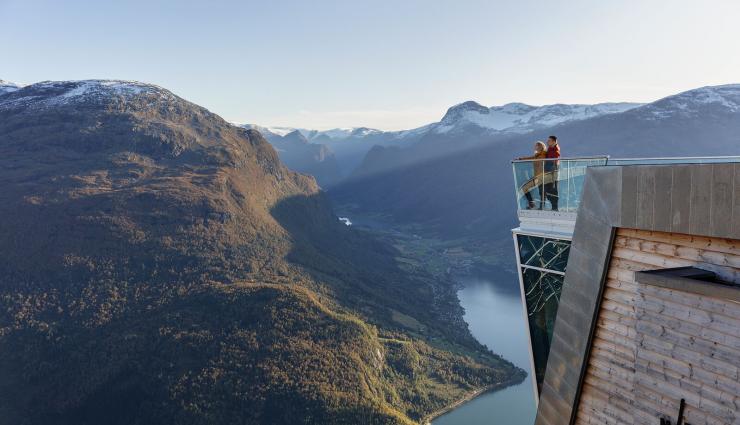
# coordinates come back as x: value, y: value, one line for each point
x: 596, y: 232
x: 548, y: 191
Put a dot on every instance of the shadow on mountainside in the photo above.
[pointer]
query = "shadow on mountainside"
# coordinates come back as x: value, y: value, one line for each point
x: 418, y: 318
x: 363, y: 273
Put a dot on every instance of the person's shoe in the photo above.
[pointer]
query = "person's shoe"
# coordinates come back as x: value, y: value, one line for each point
x: 530, y: 205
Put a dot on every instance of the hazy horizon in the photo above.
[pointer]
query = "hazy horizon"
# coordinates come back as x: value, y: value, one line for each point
x: 384, y: 65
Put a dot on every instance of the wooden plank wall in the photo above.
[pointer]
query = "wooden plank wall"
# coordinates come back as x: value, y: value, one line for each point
x: 654, y: 346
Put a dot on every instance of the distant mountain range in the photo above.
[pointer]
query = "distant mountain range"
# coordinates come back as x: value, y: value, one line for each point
x: 469, y: 191
x: 465, y: 121
x: 509, y: 118
x: 300, y: 155
x: 519, y: 117
x: 160, y: 265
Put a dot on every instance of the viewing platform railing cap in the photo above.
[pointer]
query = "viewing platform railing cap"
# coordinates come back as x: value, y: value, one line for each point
x: 572, y: 158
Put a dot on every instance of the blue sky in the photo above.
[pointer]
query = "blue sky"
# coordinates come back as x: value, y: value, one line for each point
x: 383, y: 64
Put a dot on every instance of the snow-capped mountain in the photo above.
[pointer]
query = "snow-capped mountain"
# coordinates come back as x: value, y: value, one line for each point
x: 271, y: 131
x: 515, y: 118
x: 463, y: 124
x: 50, y: 94
x: 8, y: 87
x: 725, y: 99
x: 311, y: 135
x: 519, y: 117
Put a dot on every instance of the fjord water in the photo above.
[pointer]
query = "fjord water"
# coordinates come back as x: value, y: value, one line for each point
x: 493, y: 310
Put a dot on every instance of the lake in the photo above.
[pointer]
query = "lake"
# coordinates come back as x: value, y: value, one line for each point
x: 493, y: 310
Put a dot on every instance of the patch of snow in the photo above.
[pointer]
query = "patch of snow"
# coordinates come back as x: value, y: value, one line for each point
x: 413, y: 132
x: 441, y: 129
x: 8, y: 87
x: 55, y: 93
x: 520, y: 118
x: 364, y: 132
x: 345, y: 220
x: 690, y: 102
x: 336, y: 133
x: 278, y: 131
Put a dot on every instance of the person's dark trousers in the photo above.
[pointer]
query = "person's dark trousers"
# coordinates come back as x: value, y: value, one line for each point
x: 530, y: 201
x: 551, y: 193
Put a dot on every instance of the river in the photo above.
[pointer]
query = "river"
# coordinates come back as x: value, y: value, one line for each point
x: 493, y: 310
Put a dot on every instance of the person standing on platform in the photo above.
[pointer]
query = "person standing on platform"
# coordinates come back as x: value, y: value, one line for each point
x: 552, y: 165
x: 540, y: 152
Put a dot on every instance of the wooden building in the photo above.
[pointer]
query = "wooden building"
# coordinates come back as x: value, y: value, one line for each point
x: 648, y: 321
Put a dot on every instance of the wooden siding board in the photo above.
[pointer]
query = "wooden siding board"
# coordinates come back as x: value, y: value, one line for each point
x: 695, y: 231
x: 654, y: 345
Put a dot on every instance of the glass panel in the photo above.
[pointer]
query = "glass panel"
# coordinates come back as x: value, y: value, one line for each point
x: 546, y: 253
x: 551, y: 184
x: 542, y: 295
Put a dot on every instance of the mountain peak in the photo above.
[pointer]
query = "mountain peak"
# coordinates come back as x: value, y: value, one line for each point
x: 110, y: 115
x: 722, y: 98
x: 457, y: 111
x: 515, y: 108
x: 296, y: 136
x: 363, y: 131
x: 54, y: 93
x: 8, y: 87
x: 519, y: 117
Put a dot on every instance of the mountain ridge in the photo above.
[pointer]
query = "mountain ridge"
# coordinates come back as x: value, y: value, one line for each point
x: 350, y: 146
x: 300, y: 155
x: 160, y: 265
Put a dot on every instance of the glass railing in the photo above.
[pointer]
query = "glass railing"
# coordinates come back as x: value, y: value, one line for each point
x: 557, y: 184
x: 552, y: 184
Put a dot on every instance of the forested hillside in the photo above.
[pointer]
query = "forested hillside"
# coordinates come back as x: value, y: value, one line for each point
x: 159, y: 265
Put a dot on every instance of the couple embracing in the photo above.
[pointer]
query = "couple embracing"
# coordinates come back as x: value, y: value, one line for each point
x: 545, y: 178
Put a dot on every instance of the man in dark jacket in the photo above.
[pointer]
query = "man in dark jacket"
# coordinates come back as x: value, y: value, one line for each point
x: 551, y: 171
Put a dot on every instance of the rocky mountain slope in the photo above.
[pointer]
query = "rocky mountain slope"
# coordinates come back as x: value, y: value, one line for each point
x: 298, y: 154
x: 159, y: 265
